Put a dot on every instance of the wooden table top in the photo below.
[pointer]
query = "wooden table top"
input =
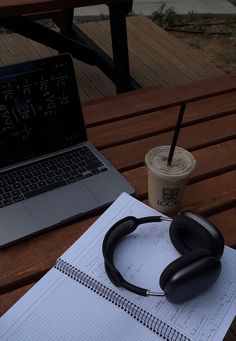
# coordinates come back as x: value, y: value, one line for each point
x: 24, y: 7
x: 124, y: 128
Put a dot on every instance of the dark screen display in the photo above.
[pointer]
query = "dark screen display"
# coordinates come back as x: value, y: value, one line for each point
x: 40, y: 110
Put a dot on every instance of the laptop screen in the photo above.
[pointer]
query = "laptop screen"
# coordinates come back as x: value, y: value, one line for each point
x: 40, y: 109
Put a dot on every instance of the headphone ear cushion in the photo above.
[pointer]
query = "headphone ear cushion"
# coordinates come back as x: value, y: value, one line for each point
x: 181, y: 263
x: 190, y: 232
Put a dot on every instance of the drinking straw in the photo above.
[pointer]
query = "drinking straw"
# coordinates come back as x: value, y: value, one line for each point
x: 176, y: 133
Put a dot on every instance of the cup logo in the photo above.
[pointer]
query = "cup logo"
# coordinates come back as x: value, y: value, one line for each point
x: 169, y: 197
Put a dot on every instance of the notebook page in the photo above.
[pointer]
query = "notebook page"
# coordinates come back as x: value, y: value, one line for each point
x: 141, y: 257
x: 58, y: 308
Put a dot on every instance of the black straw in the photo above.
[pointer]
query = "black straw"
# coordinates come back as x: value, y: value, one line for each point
x: 176, y: 134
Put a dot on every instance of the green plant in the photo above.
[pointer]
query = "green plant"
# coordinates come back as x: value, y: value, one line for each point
x: 131, y: 13
x: 164, y: 17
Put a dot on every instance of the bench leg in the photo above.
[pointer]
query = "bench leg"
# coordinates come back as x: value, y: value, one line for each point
x: 118, y: 13
x: 65, y: 22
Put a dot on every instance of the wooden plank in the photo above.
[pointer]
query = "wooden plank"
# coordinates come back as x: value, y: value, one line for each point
x: 42, y: 50
x: 230, y: 336
x: 5, y: 56
x: 8, y: 299
x: 204, y: 134
x: 165, y: 53
x: 121, y: 105
x: 140, y: 61
x: 169, y: 64
x: 100, y: 85
x: 184, y: 52
x: 29, y: 263
x: 214, y: 160
x: 83, y: 84
x: 141, y: 72
x: 222, y: 159
x: 223, y: 219
x: 233, y: 328
x: 29, y: 50
x: 176, y: 71
x: 160, y: 121
x: 17, y: 53
x: 217, y: 193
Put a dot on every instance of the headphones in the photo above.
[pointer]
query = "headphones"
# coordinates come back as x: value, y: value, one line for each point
x: 199, y: 242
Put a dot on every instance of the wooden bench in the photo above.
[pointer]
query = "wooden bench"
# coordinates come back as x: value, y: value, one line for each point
x: 156, y: 57
x: 18, y: 15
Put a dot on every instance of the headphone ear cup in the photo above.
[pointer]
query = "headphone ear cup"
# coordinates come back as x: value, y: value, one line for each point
x: 189, y: 275
x: 191, y: 232
x: 179, y: 264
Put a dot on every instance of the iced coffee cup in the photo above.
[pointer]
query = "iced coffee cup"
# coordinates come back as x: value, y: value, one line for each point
x: 166, y: 183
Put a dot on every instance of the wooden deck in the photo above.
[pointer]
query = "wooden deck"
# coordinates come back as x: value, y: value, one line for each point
x: 156, y: 57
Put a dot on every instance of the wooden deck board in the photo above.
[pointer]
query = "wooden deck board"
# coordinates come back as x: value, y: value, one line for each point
x: 139, y: 67
x: 156, y: 57
x: 190, y: 57
x: 153, y: 55
x: 166, y: 50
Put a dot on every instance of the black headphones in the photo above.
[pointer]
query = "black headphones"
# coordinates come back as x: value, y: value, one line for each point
x: 198, y: 241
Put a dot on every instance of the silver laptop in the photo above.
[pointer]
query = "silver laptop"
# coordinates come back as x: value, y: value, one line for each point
x: 49, y: 173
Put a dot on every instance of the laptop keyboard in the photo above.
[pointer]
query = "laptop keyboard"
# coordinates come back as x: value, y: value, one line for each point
x: 29, y: 181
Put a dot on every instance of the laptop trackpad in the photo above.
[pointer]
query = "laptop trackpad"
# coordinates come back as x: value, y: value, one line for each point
x: 15, y: 223
x: 61, y: 204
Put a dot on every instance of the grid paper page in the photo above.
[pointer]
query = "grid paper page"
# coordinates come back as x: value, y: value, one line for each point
x: 68, y: 311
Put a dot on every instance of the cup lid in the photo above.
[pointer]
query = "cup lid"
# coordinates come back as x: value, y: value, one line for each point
x: 182, y: 165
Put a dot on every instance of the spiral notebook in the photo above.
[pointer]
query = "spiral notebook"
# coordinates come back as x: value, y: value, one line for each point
x: 76, y: 301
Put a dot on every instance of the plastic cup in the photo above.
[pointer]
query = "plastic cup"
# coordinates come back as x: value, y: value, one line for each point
x: 166, y: 184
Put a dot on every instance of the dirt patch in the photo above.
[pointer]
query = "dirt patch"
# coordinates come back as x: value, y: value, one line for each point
x: 215, y: 38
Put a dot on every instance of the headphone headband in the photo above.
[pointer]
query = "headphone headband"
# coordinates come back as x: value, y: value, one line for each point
x: 120, y: 229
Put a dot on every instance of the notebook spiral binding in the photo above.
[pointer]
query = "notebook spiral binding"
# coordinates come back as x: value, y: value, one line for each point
x: 147, y: 319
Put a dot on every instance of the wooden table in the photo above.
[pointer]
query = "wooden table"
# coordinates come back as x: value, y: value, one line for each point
x: 19, y: 16
x: 124, y: 128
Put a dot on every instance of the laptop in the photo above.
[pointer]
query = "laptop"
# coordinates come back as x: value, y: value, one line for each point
x: 50, y: 173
